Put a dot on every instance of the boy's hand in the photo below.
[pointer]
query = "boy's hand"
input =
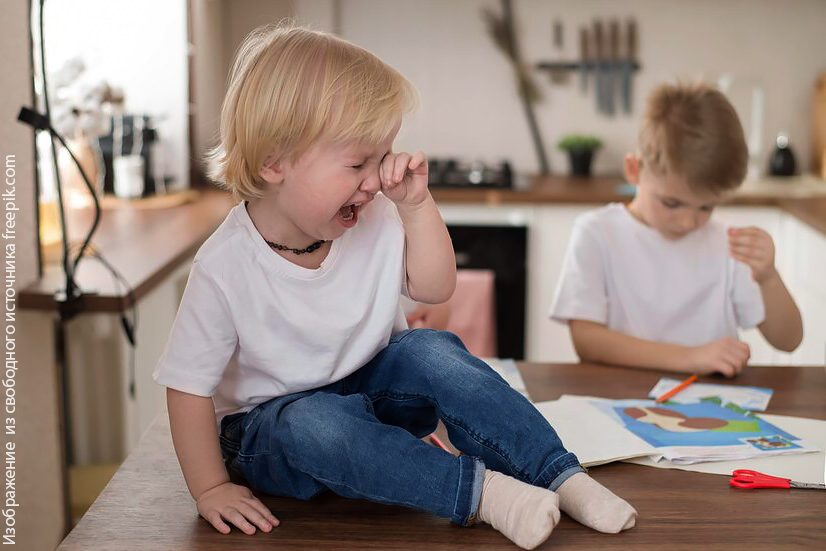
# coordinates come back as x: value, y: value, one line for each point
x: 753, y: 247
x: 404, y: 178
x: 237, y: 505
x: 727, y: 356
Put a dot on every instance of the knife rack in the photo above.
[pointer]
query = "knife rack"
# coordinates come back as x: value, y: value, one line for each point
x: 613, y: 65
x: 607, y: 62
x: 591, y: 71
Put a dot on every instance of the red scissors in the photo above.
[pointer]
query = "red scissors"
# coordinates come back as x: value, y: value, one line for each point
x: 745, y: 478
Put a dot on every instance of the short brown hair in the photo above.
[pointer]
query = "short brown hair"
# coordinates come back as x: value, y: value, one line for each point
x: 291, y: 86
x: 693, y: 130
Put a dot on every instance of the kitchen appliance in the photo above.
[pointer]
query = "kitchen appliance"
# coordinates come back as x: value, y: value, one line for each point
x: 782, y: 162
x: 451, y: 173
x: 504, y: 251
x: 130, y: 137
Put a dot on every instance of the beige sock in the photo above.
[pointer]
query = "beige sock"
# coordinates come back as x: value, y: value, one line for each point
x: 592, y: 504
x: 525, y: 514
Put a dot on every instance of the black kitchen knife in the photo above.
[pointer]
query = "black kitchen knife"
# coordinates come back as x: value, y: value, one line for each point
x: 612, y: 72
x: 599, y: 69
x: 583, y: 59
x: 628, y: 65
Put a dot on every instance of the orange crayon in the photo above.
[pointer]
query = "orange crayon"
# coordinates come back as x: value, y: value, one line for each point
x: 666, y: 395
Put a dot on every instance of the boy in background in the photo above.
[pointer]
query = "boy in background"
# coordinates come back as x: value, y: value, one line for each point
x: 657, y: 283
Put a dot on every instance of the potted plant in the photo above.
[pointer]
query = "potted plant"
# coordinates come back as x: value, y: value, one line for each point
x: 580, y: 148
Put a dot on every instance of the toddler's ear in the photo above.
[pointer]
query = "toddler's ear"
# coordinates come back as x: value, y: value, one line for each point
x: 632, y: 166
x: 271, y: 171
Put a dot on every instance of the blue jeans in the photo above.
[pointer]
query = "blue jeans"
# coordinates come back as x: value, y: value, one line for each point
x: 360, y: 437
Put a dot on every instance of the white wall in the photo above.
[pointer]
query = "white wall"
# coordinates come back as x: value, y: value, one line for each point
x: 211, y: 63
x: 218, y: 27
x: 470, y: 109
x: 138, y: 46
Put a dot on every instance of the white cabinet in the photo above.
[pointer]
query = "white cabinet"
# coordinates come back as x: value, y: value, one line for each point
x: 807, y: 252
x: 800, y: 256
x: 769, y: 219
x: 106, y: 419
x: 549, y: 341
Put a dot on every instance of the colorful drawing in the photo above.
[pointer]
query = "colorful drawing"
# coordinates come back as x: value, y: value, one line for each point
x: 673, y: 421
x: 698, y: 424
x: 773, y: 442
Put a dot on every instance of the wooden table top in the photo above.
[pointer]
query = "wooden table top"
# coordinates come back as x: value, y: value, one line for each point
x: 146, y: 506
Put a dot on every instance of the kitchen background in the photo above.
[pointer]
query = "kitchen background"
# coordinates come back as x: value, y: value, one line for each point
x: 469, y: 108
x: 171, y: 57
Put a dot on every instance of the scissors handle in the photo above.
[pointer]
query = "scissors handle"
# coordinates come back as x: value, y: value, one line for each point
x: 746, y: 478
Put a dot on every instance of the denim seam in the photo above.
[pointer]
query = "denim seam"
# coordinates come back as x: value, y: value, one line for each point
x: 250, y: 457
x: 563, y: 476
x: 229, y: 444
x: 487, y: 444
x: 458, y: 490
x: 566, y: 462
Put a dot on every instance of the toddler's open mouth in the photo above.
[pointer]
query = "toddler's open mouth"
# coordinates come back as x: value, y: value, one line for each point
x: 349, y: 214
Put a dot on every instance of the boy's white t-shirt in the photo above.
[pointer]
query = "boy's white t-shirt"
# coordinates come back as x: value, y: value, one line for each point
x: 253, y: 326
x: 626, y: 275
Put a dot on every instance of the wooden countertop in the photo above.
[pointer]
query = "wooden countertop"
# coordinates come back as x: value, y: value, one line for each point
x: 811, y: 211
x: 146, y: 505
x: 607, y: 189
x: 146, y: 242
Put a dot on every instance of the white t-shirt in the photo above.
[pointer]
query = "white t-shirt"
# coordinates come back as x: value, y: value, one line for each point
x: 625, y: 275
x: 252, y: 325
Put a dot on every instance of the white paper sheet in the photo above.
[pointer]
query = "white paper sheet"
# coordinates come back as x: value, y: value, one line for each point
x: 594, y: 437
x: 747, y: 397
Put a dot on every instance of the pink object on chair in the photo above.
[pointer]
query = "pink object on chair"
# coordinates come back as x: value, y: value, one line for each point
x: 473, y: 311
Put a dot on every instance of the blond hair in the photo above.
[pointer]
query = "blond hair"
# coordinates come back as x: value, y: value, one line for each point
x: 692, y: 130
x: 291, y: 86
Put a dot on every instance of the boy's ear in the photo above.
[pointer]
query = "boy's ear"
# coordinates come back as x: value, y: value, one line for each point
x: 271, y: 171
x: 632, y: 166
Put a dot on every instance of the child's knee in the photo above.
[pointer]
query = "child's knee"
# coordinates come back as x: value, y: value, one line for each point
x: 433, y: 339
x: 321, y: 419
